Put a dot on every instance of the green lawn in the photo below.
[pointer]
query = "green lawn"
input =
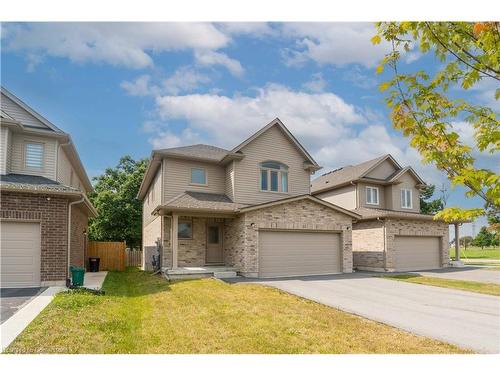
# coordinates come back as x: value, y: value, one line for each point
x: 470, y: 286
x: 477, y: 253
x: 141, y: 313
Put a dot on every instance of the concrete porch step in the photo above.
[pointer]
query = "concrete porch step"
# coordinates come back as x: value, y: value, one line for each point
x: 225, y: 274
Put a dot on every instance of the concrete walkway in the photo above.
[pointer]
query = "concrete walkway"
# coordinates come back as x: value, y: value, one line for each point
x: 94, y: 280
x: 477, y: 274
x: 13, y: 326
x: 469, y: 320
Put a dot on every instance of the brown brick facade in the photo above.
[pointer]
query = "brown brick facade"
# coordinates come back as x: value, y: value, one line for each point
x: 52, y: 214
x: 370, y: 238
x: 241, y: 234
x: 79, y: 225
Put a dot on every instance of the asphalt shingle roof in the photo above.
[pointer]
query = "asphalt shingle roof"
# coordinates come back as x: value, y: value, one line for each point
x: 372, y: 213
x: 203, y: 201
x: 343, y: 175
x: 201, y: 151
x: 39, y: 183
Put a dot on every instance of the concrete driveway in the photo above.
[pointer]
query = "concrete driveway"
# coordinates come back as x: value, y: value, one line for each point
x: 13, y: 299
x: 479, y: 274
x: 469, y: 320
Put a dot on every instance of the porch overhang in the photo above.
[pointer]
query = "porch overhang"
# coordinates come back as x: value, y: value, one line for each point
x: 186, y: 211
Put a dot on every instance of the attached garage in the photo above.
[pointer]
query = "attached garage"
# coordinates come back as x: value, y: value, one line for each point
x: 413, y: 253
x: 299, y: 253
x: 20, y: 254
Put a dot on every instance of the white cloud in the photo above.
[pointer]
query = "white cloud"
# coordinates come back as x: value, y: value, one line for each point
x: 183, y: 80
x: 208, y: 58
x: 227, y: 120
x: 141, y: 86
x: 316, y: 84
x: 255, y: 29
x: 124, y: 44
x: 337, y: 43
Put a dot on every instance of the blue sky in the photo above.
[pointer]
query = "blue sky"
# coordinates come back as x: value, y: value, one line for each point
x: 121, y: 88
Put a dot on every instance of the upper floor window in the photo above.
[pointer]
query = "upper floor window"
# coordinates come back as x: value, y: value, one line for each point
x: 33, y: 155
x: 406, y: 201
x: 198, y: 176
x: 371, y: 195
x: 273, y: 177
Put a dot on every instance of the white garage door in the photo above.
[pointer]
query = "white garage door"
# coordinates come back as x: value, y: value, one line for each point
x: 417, y: 253
x: 294, y: 253
x: 20, y: 254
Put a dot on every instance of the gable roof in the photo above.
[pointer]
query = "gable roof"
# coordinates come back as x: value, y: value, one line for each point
x: 277, y: 122
x: 199, y: 151
x: 297, y: 198
x: 18, y: 116
x: 213, y: 154
x: 345, y: 175
x: 23, y: 123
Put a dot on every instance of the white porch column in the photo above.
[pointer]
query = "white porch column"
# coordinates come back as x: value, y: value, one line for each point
x: 175, y: 242
x: 457, y: 243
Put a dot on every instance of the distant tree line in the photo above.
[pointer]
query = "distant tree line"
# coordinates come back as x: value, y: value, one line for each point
x: 485, y: 238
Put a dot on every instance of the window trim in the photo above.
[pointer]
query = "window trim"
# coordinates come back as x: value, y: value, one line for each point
x: 404, y: 201
x: 185, y: 221
x: 196, y: 183
x: 377, y: 203
x: 25, y: 149
x: 279, y: 177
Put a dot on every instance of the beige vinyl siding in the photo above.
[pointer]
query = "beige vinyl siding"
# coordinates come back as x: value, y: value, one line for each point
x: 151, y: 232
x: 177, y: 178
x: 230, y: 180
x: 407, y: 181
x: 271, y: 145
x: 152, y: 198
x: 382, y: 171
x: 362, y: 195
x: 49, y: 152
x: 19, y: 114
x: 344, y: 197
x: 4, y: 149
x: 64, y: 171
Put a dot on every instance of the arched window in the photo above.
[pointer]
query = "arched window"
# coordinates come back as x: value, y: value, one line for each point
x: 273, y: 176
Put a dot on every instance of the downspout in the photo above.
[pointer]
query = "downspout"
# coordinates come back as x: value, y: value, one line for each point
x: 69, y: 235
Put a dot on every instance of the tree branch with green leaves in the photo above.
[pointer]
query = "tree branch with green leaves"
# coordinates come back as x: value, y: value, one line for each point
x: 425, y: 112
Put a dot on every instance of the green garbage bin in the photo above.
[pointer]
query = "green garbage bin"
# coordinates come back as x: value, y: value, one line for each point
x: 77, y: 275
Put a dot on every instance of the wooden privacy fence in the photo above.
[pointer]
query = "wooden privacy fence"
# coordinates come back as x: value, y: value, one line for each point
x: 112, y: 254
x: 133, y: 258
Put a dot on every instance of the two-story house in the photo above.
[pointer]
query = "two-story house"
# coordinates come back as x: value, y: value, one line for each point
x: 247, y: 210
x: 392, y: 234
x: 44, y: 207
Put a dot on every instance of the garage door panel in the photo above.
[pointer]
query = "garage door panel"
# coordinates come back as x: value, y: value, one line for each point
x: 417, y: 253
x: 20, y: 254
x: 288, y: 253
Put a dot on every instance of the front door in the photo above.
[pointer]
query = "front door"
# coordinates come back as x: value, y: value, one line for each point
x: 214, y: 243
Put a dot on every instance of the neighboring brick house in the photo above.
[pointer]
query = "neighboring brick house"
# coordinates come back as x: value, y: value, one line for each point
x: 44, y: 207
x: 392, y: 234
x: 249, y: 210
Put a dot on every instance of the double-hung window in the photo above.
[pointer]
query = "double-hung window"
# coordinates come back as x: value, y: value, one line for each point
x: 33, y: 155
x: 406, y: 198
x: 273, y: 177
x: 372, y: 195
